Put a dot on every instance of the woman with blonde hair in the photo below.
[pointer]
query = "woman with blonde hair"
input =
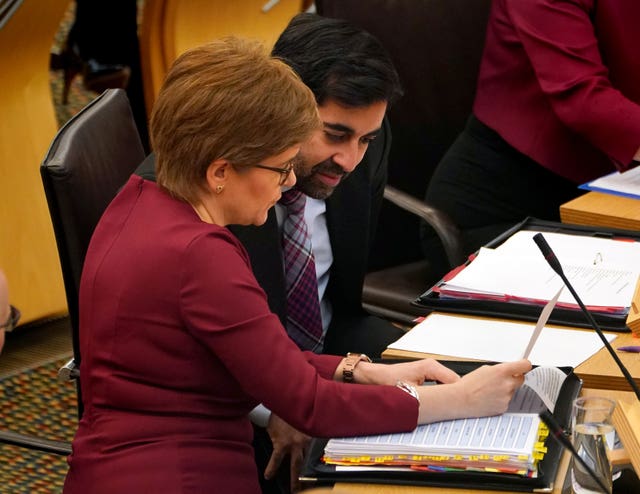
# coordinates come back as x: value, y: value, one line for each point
x: 177, y: 340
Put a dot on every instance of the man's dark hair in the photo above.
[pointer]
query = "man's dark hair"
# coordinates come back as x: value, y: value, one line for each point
x: 338, y: 61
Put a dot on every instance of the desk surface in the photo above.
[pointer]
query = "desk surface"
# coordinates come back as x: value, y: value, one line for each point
x: 342, y: 488
x: 599, y: 371
x: 598, y: 209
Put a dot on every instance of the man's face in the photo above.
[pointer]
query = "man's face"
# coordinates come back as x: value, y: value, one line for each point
x: 334, y: 151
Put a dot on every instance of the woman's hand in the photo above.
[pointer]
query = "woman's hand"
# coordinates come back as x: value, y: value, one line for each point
x: 483, y: 392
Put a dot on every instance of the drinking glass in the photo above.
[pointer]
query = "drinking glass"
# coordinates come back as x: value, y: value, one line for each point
x: 593, y: 437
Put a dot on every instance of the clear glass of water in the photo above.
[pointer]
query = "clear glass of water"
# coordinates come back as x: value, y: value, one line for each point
x: 593, y: 437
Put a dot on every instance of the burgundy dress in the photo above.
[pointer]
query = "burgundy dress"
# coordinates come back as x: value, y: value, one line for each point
x: 178, y: 345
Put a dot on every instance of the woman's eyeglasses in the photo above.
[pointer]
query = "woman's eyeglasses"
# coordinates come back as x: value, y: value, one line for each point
x: 284, y: 172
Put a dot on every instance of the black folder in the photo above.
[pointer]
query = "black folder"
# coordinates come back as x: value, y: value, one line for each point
x: 431, y: 301
x: 316, y: 473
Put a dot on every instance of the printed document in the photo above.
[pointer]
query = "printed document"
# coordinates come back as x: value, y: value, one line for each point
x: 603, y: 272
x: 510, y: 443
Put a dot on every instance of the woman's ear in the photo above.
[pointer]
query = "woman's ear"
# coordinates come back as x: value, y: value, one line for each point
x: 217, y: 175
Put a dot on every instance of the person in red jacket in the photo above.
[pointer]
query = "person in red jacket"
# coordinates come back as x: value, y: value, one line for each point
x: 557, y: 104
x: 177, y: 339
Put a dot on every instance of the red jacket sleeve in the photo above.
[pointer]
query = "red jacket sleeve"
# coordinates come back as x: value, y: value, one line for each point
x: 560, y: 40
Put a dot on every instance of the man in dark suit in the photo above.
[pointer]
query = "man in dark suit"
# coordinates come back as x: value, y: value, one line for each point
x: 342, y: 171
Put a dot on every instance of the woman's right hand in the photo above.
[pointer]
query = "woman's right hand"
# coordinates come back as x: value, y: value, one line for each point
x: 483, y: 392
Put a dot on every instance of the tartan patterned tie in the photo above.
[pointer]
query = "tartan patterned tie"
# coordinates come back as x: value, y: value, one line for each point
x: 304, y: 323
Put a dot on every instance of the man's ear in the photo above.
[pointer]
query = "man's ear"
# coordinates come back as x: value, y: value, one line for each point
x: 218, y: 174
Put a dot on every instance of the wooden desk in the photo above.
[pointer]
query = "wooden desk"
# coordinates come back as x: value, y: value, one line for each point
x: 28, y: 253
x: 342, y: 488
x: 404, y: 489
x: 598, y: 209
x: 599, y: 371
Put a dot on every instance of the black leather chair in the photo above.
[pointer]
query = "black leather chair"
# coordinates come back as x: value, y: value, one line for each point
x: 90, y: 158
x: 436, y: 46
x: 389, y: 292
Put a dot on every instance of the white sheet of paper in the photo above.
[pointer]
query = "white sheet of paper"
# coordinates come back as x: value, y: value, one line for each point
x: 499, y: 341
x: 576, y: 249
x: 626, y: 183
x: 530, y: 277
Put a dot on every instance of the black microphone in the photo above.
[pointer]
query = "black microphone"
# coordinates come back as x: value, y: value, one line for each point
x: 558, y: 432
x: 555, y: 265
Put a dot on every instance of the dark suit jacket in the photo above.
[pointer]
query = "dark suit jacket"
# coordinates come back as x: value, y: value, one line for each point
x: 352, y: 215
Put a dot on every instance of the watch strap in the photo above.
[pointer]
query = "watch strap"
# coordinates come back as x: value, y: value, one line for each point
x: 12, y: 320
x: 350, y: 363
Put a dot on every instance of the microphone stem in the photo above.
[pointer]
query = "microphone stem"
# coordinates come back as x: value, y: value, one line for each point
x: 558, y: 432
x: 608, y: 346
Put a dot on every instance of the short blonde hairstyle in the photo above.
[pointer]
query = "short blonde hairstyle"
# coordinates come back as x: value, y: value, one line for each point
x: 227, y: 99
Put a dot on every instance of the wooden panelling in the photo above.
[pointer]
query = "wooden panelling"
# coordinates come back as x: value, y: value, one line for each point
x: 169, y: 27
x: 28, y: 252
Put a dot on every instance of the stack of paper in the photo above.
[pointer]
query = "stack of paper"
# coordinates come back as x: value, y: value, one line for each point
x: 509, y: 443
x: 604, y: 273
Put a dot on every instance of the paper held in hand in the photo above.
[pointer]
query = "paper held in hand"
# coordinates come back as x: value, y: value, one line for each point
x: 542, y: 320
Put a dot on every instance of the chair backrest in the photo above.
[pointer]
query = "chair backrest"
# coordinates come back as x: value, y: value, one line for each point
x: 436, y: 46
x: 90, y: 158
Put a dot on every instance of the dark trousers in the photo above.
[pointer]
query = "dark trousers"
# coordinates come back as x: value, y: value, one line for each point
x: 486, y: 186
x: 108, y: 33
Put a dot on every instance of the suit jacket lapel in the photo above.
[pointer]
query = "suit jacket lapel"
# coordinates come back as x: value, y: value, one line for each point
x: 349, y: 232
